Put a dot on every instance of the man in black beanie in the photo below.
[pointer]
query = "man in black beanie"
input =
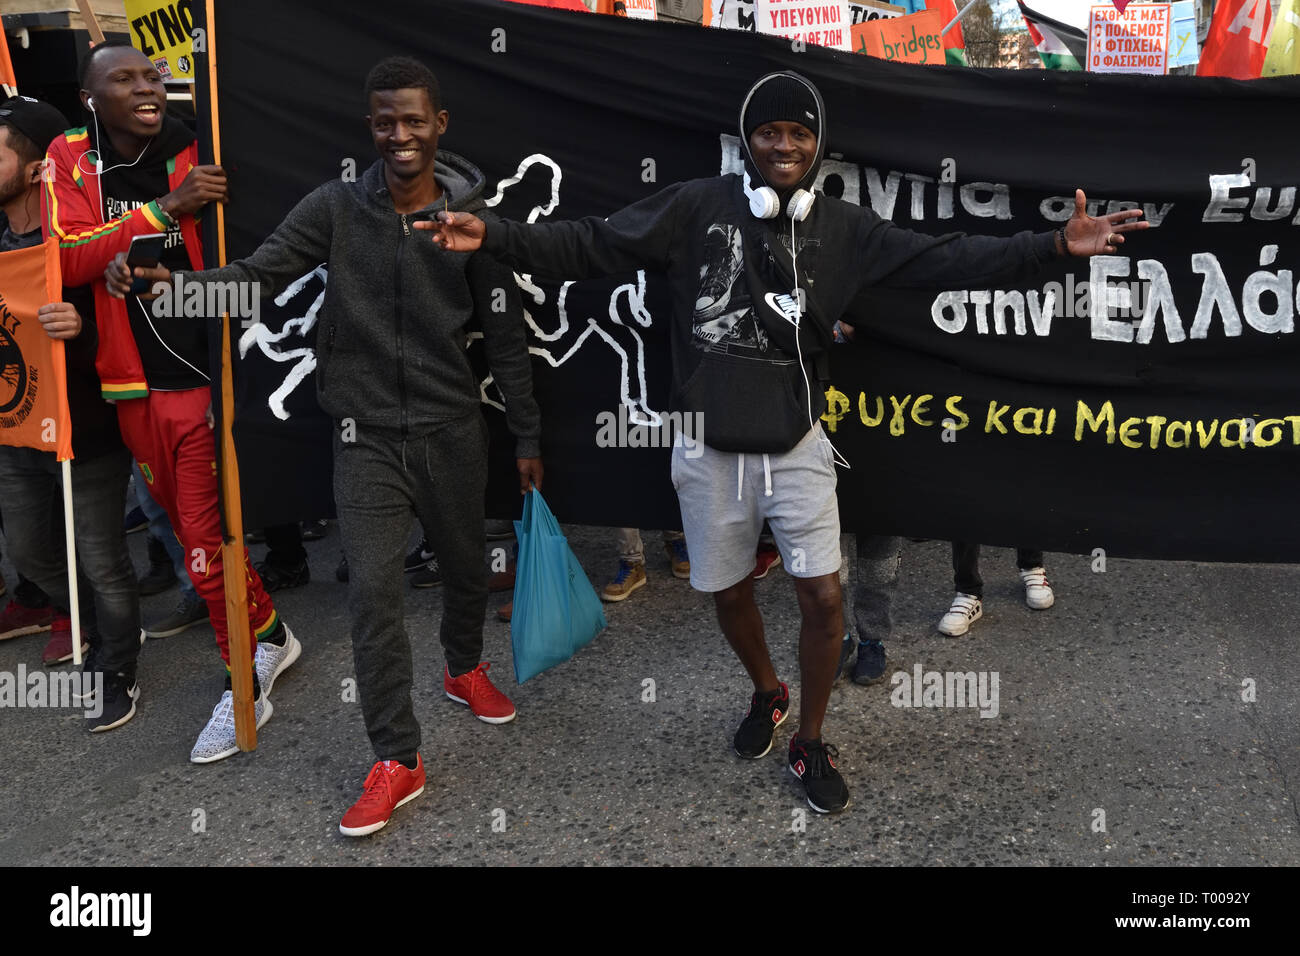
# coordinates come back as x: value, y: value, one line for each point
x: 760, y: 270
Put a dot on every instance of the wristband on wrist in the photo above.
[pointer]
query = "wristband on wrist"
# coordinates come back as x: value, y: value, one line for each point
x: 1065, y: 246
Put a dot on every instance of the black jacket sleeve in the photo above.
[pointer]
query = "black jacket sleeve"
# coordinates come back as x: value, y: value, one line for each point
x: 640, y: 236
x: 898, y: 258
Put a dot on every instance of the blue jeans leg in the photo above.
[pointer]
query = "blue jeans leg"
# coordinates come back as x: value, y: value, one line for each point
x: 160, y: 527
x: 31, y: 480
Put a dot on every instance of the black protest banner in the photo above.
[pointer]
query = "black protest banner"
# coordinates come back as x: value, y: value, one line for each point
x: 1144, y: 403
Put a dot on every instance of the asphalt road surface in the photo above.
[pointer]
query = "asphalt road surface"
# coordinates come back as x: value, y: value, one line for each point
x: 1121, y: 736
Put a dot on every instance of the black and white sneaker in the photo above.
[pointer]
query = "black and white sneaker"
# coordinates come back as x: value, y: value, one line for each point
x: 83, y: 690
x: 429, y: 576
x: 966, y: 610
x: 757, y: 731
x: 118, y: 702
x: 814, y: 764
x: 418, y: 559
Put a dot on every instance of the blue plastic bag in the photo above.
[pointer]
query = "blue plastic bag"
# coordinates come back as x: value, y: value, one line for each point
x: 556, y: 610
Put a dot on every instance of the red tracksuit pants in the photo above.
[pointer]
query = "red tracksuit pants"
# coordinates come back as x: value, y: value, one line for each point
x: 169, y: 436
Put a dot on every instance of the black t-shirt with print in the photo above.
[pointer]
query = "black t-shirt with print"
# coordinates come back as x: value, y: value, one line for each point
x: 173, y: 350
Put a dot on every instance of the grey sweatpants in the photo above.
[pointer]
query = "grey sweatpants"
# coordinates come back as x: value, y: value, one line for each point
x: 875, y: 581
x: 380, y: 483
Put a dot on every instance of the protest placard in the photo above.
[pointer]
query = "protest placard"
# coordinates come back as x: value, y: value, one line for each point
x: 1135, y: 41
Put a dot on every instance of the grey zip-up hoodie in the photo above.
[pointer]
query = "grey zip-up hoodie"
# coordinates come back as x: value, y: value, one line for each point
x: 390, y: 347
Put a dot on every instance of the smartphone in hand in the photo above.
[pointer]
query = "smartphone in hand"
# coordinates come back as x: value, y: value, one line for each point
x: 145, y: 253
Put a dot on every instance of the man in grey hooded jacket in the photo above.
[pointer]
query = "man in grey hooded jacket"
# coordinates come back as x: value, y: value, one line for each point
x: 393, y: 374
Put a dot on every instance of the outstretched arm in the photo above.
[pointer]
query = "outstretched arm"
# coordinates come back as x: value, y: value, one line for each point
x: 899, y: 258
x: 640, y: 236
x: 299, y: 244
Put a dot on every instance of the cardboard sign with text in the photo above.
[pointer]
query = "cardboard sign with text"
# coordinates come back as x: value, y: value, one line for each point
x: 911, y: 39
x: 863, y: 11
x: 818, y: 22
x: 638, y: 9
x: 1135, y: 41
x: 163, y: 31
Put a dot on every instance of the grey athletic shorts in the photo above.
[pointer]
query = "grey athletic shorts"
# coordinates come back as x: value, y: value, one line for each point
x: 725, y: 498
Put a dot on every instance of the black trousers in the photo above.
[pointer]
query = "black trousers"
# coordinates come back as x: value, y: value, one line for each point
x: 284, y: 545
x: 28, y: 593
x: 380, y: 483
x: 966, y: 566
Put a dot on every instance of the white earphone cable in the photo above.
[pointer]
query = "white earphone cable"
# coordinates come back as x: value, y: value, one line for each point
x: 99, y: 170
x: 798, y: 344
x: 161, y: 342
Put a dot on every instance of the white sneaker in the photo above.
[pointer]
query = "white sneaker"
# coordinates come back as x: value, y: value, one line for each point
x: 1038, y: 593
x: 272, y: 660
x: 217, y: 742
x: 966, y: 610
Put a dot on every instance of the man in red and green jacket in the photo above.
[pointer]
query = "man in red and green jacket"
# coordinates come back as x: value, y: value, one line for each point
x: 133, y: 171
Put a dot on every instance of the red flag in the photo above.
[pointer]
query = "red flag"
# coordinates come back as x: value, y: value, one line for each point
x: 33, y: 377
x: 7, y: 78
x: 1120, y: 4
x: 1238, y: 40
x: 952, y: 40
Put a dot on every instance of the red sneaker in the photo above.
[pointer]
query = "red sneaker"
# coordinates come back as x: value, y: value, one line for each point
x: 475, y: 691
x: 388, y: 785
x: 59, y: 649
x: 502, y: 580
x: 18, y: 620
x: 766, y: 559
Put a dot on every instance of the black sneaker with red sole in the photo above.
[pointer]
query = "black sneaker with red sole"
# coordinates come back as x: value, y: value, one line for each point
x: 813, y: 762
x: 757, y: 731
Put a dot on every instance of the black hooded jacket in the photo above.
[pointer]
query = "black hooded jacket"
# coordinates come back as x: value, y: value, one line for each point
x: 692, y: 233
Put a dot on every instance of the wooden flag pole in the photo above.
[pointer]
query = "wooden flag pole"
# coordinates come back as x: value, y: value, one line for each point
x: 92, y: 23
x: 232, y: 549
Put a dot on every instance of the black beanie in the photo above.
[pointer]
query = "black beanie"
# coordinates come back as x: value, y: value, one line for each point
x: 780, y: 97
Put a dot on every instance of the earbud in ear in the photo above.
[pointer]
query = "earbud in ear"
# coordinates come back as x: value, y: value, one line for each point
x: 90, y: 103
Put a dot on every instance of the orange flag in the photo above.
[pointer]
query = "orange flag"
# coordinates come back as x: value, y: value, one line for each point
x: 7, y: 78
x: 33, y: 377
x: 1238, y: 40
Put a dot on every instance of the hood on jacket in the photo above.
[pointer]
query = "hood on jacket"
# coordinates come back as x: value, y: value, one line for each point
x: 462, y: 182
x: 751, y: 169
x: 172, y: 138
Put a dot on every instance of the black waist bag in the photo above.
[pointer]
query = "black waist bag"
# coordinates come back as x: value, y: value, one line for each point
x: 747, y: 404
x: 763, y: 404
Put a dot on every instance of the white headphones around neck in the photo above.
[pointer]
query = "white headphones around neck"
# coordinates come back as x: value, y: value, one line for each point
x: 766, y: 204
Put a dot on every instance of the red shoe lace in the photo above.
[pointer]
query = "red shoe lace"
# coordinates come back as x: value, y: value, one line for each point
x: 377, y: 788
x: 475, y: 678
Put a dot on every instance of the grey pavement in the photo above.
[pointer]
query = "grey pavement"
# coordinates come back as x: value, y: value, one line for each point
x: 1123, y: 704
